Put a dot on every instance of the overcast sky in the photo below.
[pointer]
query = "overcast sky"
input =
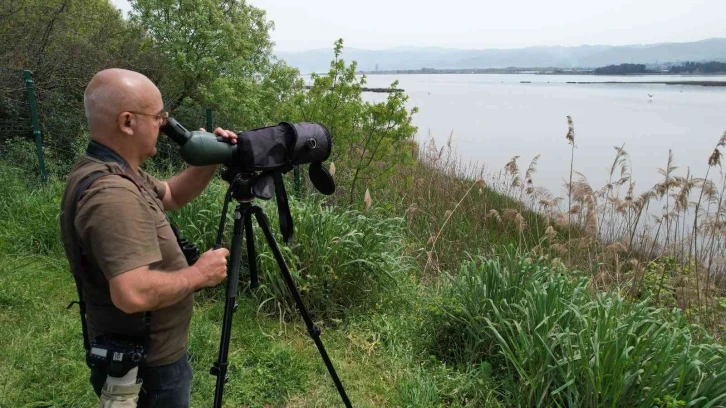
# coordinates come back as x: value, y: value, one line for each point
x: 477, y: 24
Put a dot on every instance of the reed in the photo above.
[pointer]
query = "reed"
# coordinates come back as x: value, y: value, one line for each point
x: 662, y: 242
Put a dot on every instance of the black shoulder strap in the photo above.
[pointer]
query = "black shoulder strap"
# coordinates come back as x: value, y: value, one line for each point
x: 81, y: 187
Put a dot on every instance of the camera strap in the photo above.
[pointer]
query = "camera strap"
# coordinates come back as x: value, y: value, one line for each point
x: 81, y: 187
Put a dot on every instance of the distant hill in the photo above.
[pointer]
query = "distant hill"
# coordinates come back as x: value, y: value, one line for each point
x: 586, y: 56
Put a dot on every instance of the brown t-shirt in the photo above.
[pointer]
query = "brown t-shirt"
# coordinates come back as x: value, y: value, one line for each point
x: 122, y: 226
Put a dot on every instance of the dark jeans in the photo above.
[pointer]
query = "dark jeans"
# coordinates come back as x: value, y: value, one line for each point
x: 166, y: 386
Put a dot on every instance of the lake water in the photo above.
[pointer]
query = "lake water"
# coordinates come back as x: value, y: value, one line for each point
x: 495, y: 117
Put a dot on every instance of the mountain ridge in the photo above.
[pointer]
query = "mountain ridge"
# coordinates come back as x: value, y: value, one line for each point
x: 580, y: 56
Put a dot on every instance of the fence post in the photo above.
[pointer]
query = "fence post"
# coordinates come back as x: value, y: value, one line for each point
x: 36, y: 126
x: 209, y: 120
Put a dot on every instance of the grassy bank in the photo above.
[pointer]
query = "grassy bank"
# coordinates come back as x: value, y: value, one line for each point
x: 273, y: 360
x: 663, y: 242
x: 478, y: 325
x: 274, y: 363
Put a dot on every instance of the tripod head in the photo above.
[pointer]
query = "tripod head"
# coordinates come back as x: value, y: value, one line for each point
x: 245, y: 186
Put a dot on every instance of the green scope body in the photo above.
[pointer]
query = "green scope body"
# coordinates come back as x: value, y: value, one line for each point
x: 200, y: 148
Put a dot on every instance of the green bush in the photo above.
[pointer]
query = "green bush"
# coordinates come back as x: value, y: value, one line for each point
x: 340, y: 259
x: 555, y: 344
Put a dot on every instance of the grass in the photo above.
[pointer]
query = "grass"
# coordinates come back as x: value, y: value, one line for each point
x: 273, y: 363
x: 449, y: 288
x: 617, y: 234
x: 552, y: 343
x: 273, y: 360
x: 538, y: 327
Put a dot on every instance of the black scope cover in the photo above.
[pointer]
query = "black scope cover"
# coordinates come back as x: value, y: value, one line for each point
x: 313, y: 143
x: 283, y: 145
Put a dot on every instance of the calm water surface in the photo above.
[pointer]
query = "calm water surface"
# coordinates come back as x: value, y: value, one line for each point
x: 494, y: 117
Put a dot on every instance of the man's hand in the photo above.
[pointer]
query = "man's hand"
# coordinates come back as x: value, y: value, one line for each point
x: 226, y: 134
x: 212, y: 267
x: 142, y: 289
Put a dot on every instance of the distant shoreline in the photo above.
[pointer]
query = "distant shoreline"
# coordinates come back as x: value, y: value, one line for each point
x: 669, y: 75
x: 525, y: 72
x: 693, y: 83
x: 366, y: 89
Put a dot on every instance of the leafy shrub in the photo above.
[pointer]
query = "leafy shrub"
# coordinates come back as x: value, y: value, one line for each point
x: 339, y: 259
x: 658, y: 279
x: 369, y: 138
x: 544, y: 332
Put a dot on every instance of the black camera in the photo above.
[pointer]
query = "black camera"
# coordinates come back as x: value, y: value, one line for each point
x: 119, y: 354
x: 190, y: 251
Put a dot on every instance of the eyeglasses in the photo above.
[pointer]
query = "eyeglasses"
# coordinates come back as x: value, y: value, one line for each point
x: 164, y: 116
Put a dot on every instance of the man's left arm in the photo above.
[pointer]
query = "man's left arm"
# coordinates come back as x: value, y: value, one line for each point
x: 189, y: 183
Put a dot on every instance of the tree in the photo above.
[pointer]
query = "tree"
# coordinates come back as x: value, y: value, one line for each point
x: 219, y: 55
x: 368, y: 138
x: 64, y: 43
x: 710, y: 67
x: 621, y: 69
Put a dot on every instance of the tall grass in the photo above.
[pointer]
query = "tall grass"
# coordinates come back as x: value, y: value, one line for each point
x: 452, y: 210
x: 29, y: 214
x: 555, y: 344
x: 340, y: 259
x: 620, y: 235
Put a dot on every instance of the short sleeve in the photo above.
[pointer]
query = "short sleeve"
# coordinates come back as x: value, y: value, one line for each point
x: 116, y: 227
x: 156, y: 184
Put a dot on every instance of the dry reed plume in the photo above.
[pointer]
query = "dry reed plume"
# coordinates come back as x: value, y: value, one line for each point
x: 671, y: 234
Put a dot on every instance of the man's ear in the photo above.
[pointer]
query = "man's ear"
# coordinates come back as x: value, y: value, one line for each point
x: 125, y: 122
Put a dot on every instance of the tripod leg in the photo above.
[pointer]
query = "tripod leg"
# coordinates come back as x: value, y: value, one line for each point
x: 220, y: 366
x: 251, y: 255
x: 223, y: 218
x: 313, y: 330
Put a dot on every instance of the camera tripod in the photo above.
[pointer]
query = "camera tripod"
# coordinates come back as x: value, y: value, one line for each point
x: 242, y: 187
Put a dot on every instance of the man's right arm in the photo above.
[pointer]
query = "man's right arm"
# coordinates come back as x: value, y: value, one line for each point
x: 118, y: 227
x: 143, y: 289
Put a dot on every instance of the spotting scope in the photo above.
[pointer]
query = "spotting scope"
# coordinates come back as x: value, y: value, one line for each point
x: 263, y: 149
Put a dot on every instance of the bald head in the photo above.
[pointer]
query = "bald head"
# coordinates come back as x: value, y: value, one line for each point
x: 122, y: 108
x: 113, y: 91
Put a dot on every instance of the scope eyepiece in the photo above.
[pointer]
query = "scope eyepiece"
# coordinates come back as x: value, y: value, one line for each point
x: 176, y: 132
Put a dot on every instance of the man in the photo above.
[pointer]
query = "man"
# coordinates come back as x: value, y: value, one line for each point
x: 121, y: 246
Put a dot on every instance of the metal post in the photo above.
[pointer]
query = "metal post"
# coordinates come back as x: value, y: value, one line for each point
x: 36, y: 125
x: 209, y: 120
